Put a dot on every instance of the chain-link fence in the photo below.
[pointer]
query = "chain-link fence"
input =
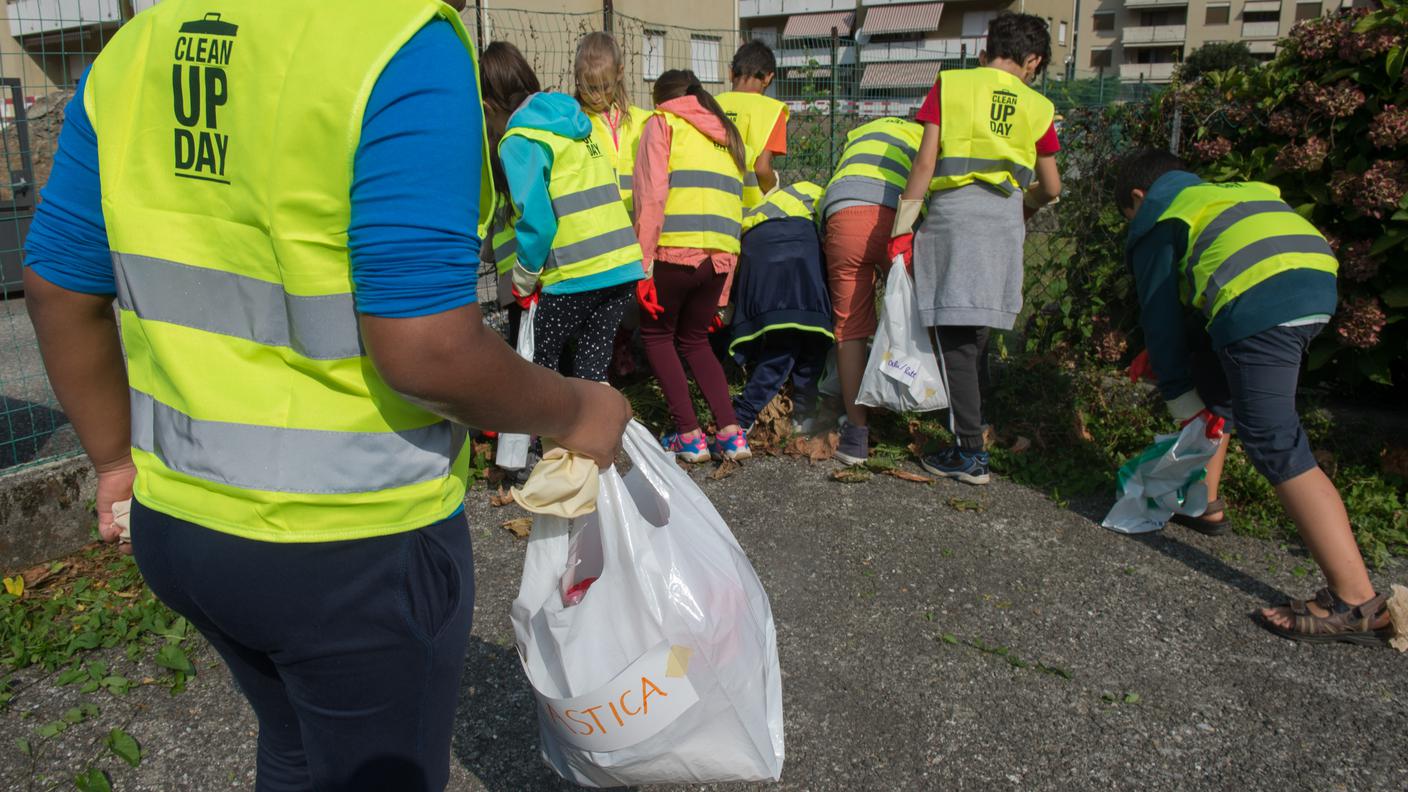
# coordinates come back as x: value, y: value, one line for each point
x: 830, y: 82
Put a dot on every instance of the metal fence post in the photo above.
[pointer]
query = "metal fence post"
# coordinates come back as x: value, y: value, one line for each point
x: 962, y: 56
x: 608, y: 10
x: 1175, y: 135
x: 831, y: 125
x: 1101, y: 80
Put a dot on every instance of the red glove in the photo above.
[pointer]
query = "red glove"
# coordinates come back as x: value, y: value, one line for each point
x: 1141, y: 368
x: 648, y: 299
x: 717, y: 324
x: 525, y: 302
x: 902, y: 246
x: 1215, y: 424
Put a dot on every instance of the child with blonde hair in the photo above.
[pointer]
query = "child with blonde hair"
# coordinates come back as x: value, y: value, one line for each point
x: 601, y: 90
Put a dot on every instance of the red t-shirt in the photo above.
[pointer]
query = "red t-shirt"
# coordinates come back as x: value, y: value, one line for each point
x: 929, y: 114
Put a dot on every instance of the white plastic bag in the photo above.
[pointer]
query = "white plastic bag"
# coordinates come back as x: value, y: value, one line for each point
x: 512, y: 451
x: 1166, y: 479
x: 667, y: 670
x: 902, y: 373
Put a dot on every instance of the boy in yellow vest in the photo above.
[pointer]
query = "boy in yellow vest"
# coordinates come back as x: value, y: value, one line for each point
x: 1258, y: 282
x: 761, y: 120
x: 989, y: 157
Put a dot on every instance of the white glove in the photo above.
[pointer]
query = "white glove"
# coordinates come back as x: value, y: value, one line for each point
x: 525, y: 281
x: 1186, y: 406
x: 906, y: 216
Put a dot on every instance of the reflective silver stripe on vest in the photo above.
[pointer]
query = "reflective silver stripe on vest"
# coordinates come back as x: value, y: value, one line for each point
x: 769, y: 211
x: 627, y: 182
x: 750, y: 179
x: 292, y: 460
x: 586, y: 200
x: 700, y: 224
x: 706, y: 180
x: 157, y: 290
x: 878, y: 161
x: 1254, y: 254
x: 507, y: 249
x: 591, y: 247
x: 888, y: 139
x: 807, y: 201
x: 960, y: 166
x: 1226, y: 219
x: 864, y: 189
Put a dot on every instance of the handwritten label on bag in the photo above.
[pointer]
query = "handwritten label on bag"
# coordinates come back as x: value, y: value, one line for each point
x: 903, y: 370
x: 641, y: 701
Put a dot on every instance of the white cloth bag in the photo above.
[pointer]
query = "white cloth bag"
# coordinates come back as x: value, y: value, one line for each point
x: 512, y: 451
x: 902, y: 374
x: 667, y: 670
x: 1166, y: 479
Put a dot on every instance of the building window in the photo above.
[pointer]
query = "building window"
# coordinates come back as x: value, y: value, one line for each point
x: 652, y: 54
x: 975, y: 23
x: 1219, y: 14
x: 1306, y: 11
x: 1101, y: 58
x: 1061, y: 33
x: 1261, y: 16
x: 1105, y: 22
x: 704, y: 58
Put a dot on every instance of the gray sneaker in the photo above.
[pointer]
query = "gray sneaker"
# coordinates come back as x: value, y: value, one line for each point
x: 854, y: 448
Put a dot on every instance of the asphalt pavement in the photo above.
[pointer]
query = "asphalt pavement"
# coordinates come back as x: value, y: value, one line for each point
x: 932, y: 636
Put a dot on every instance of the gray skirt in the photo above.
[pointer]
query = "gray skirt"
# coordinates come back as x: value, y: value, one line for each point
x: 968, y: 258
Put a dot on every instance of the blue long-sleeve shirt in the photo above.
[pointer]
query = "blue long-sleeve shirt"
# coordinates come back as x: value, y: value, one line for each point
x: 414, y: 196
x: 1155, y: 252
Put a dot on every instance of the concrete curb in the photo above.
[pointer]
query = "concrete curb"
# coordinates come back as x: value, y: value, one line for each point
x: 46, y: 512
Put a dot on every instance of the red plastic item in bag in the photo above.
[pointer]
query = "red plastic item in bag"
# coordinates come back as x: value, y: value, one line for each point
x: 575, y: 594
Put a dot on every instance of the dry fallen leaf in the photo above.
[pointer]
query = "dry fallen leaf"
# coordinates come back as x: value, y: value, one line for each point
x: 1021, y: 445
x: 495, y: 475
x: 851, y: 475
x: 820, y: 449
x: 1394, y: 462
x: 725, y: 469
x: 519, y: 527
x: 909, y: 476
x: 501, y: 498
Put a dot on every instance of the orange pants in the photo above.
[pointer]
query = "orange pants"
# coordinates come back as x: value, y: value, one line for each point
x: 856, y: 238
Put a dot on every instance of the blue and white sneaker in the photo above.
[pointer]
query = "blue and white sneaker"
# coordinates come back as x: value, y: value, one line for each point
x: 734, y: 447
x: 692, y: 450
x: 969, y: 467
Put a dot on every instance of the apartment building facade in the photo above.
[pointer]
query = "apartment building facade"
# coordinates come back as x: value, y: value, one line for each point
x: 1144, y: 40
x: 889, y: 51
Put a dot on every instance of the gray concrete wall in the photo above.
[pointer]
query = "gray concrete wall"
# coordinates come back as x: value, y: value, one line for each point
x: 46, y: 512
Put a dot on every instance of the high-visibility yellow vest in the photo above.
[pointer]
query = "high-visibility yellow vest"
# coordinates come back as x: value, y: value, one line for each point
x: 594, y: 232
x: 875, y: 163
x: 704, y: 208
x: 795, y: 201
x: 622, y: 147
x: 501, y: 239
x: 1240, y: 234
x: 990, y: 123
x: 226, y: 192
x: 756, y: 116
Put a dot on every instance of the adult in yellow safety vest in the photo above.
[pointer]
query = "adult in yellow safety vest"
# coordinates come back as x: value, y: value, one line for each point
x: 858, y: 211
x: 601, y: 90
x: 303, y: 351
x: 689, y: 214
x: 987, y: 159
x: 761, y: 119
x: 574, y: 237
x: 781, y: 323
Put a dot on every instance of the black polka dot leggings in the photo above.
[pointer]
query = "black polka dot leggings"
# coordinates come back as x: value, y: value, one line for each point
x: 588, y: 320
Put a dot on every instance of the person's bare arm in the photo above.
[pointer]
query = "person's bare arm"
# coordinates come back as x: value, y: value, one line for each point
x: 762, y: 168
x: 921, y: 172
x: 456, y: 367
x: 1047, y: 187
x: 78, y: 339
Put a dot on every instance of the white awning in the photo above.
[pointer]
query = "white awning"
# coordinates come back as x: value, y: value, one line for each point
x: 817, y: 25
x: 914, y: 74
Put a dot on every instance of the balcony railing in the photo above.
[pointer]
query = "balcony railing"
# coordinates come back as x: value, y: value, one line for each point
x: 762, y: 8
x: 1261, y: 30
x: 927, y: 49
x: 1154, y: 34
x: 821, y: 55
x: 1150, y: 72
x: 37, y: 17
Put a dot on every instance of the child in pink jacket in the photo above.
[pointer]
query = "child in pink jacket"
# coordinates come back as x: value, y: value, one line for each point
x: 683, y: 286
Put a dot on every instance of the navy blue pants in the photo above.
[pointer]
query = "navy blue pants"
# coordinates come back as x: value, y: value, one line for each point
x: 349, y: 652
x: 1253, y: 382
x: 784, y: 353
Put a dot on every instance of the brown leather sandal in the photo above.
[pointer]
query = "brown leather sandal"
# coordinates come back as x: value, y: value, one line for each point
x: 1206, y: 527
x: 1345, y: 623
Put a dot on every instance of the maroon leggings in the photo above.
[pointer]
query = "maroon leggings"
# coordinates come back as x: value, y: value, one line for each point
x: 690, y: 296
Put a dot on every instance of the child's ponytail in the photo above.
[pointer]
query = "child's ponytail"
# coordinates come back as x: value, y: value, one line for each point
x: 681, y: 82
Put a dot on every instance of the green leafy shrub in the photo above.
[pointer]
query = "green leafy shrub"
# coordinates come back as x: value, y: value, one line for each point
x: 1216, y: 56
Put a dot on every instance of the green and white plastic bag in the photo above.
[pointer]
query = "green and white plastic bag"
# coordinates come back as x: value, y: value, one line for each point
x: 1167, y: 478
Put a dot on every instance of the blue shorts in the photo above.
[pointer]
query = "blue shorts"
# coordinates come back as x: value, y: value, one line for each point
x: 1253, y: 383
